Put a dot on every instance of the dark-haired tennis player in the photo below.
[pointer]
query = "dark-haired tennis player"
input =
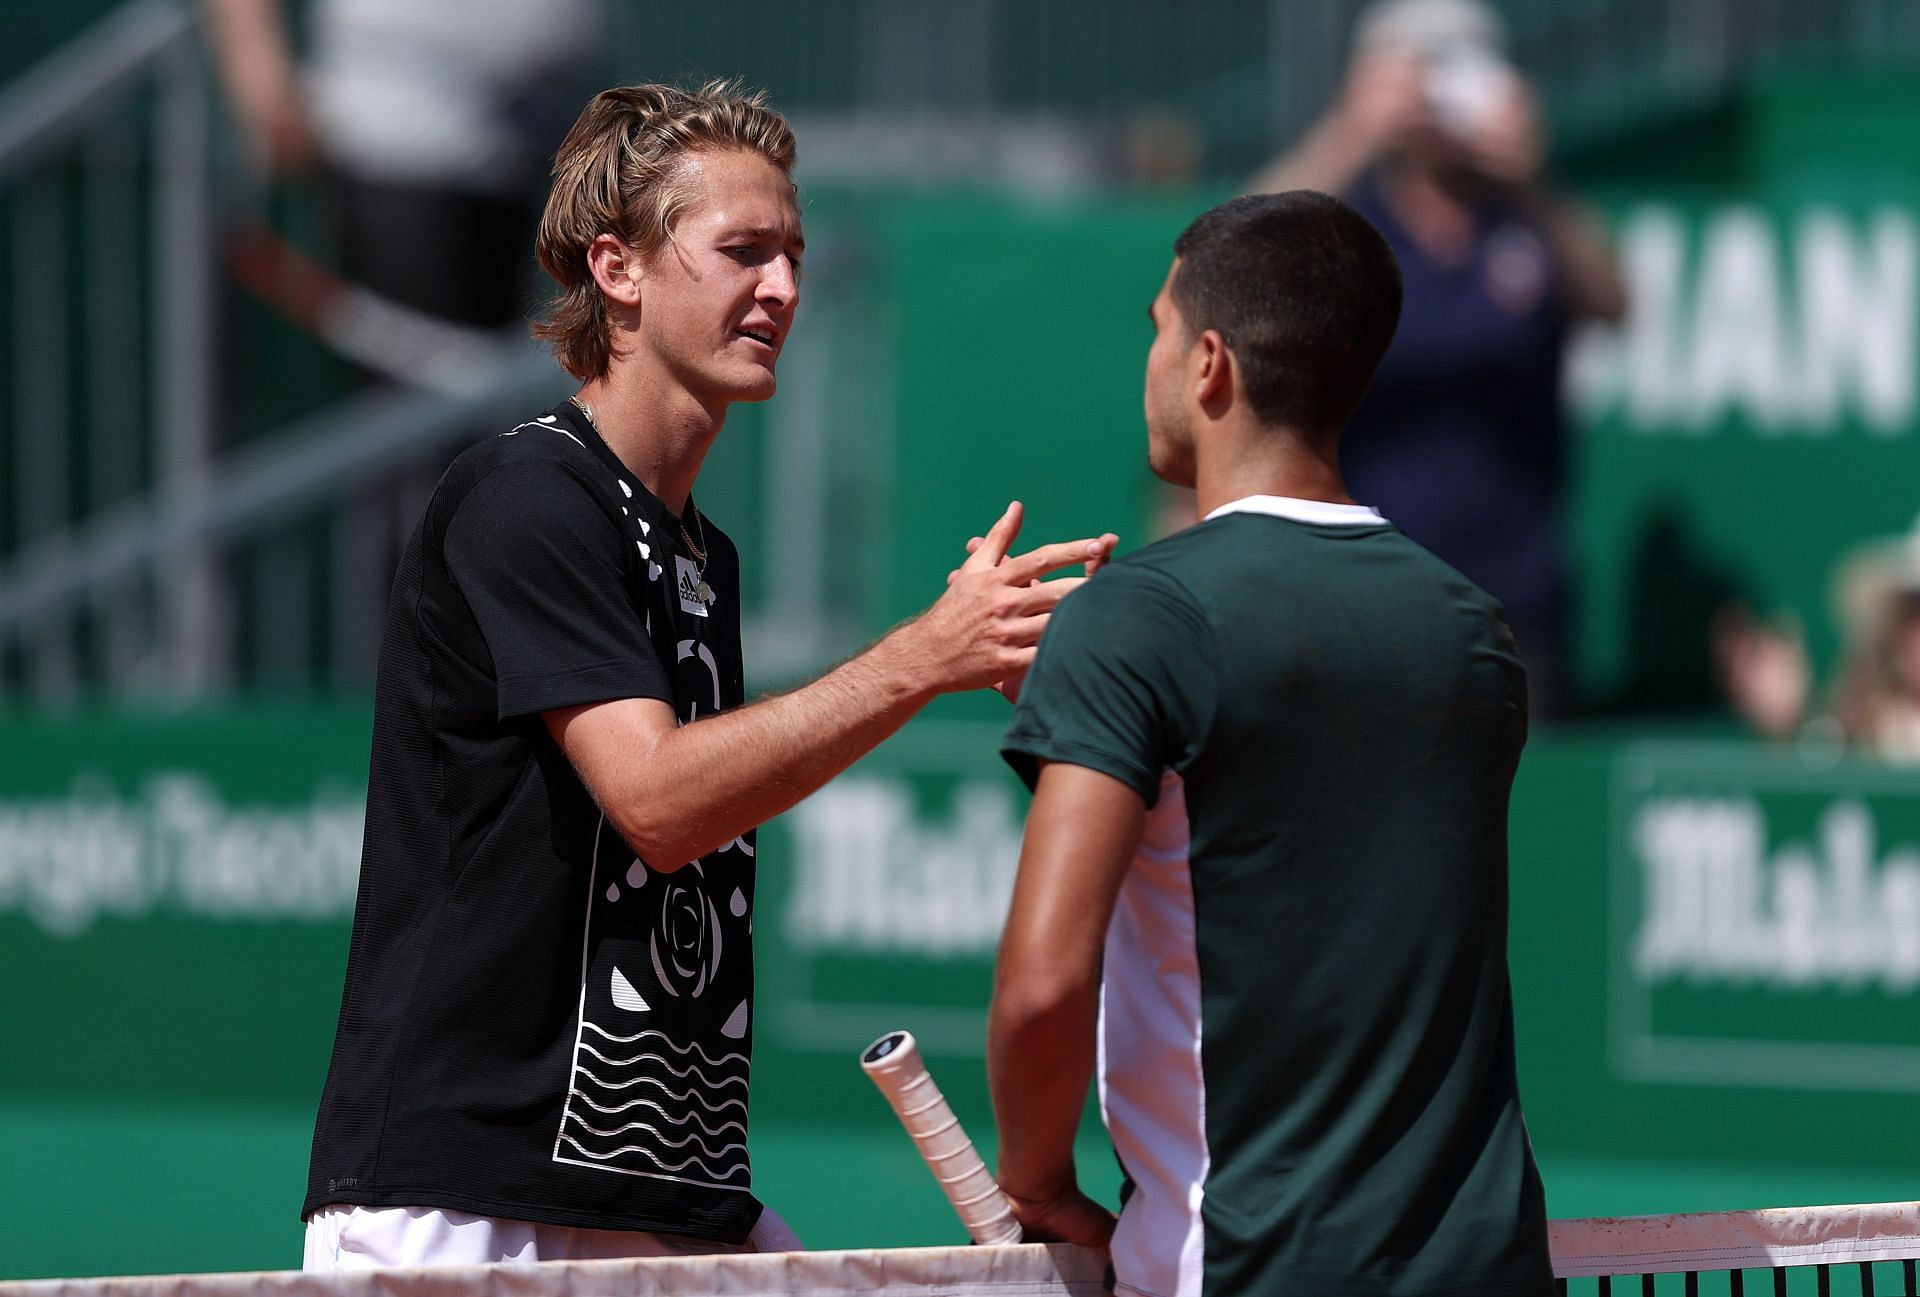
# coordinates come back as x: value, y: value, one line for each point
x: 1300, y: 1009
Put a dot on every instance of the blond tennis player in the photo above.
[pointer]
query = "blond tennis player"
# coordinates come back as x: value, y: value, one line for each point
x: 544, y: 1040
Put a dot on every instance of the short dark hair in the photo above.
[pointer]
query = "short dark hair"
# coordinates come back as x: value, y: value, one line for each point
x: 1306, y: 293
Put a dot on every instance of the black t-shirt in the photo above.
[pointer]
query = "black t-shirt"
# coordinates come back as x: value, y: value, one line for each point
x: 537, y: 1024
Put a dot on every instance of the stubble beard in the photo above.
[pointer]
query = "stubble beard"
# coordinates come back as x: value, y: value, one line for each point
x: 1170, y: 450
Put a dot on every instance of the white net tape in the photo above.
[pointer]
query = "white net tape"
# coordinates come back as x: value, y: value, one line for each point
x: 1020, y: 1270
x: 1736, y: 1240
x: 1608, y: 1245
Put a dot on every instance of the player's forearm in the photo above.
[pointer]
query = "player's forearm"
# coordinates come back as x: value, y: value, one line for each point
x: 1081, y: 835
x: 1040, y: 1057
x: 677, y: 792
x: 700, y: 786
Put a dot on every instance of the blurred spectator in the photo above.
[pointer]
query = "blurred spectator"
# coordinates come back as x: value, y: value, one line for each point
x: 431, y: 122
x: 1763, y: 668
x: 1873, y: 703
x: 1461, y: 439
x: 428, y: 125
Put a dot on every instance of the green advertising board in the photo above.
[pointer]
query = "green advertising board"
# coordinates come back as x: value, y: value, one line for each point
x: 1754, y: 418
x: 1712, y: 950
x: 1753, y: 421
x: 1685, y: 916
x: 1764, y: 925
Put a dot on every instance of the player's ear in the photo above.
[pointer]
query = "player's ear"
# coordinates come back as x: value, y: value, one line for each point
x: 616, y: 268
x: 1212, y: 368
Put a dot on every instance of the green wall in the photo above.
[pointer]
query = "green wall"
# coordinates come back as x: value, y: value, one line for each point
x: 1714, y: 951
x: 1714, y: 972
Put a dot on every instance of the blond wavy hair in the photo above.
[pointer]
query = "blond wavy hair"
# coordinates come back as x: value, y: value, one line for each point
x: 620, y: 172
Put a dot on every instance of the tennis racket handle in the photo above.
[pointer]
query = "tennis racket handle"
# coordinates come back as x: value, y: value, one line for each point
x: 894, y: 1063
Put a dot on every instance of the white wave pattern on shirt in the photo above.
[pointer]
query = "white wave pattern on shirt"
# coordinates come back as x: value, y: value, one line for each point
x: 579, y: 1143
x: 682, y: 1096
x: 663, y: 1137
x: 592, y: 1093
x: 639, y: 1060
x: 724, y: 1060
x: 692, y: 1119
x: 720, y: 1173
x: 679, y: 1125
x: 605, y: 1084
x: 662, y: 1036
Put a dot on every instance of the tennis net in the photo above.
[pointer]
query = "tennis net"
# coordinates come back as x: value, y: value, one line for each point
x: 1019, y: 1270
x: 1869, y: 1250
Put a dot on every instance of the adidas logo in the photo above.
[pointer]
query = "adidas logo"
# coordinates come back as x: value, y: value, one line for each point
x: 696, y: 596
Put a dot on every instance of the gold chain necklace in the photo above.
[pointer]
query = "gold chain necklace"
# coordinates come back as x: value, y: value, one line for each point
x: 704, y: 592
x: 699, y: 551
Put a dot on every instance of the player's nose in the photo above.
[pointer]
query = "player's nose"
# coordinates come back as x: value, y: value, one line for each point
x: 779, y: 283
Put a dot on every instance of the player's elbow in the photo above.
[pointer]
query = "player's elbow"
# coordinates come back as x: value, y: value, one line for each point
x: 660, y: 845
x: 1039, y: 1029
x: 1043, y: 1000
x: 666, y: 816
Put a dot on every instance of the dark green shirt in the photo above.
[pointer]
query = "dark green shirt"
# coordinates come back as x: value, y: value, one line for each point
x: 1346, y: 713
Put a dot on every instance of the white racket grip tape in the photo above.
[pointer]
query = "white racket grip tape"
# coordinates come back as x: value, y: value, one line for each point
x: 893, y: 1061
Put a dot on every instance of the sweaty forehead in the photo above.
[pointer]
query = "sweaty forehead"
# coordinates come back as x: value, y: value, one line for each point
x: 742, y: 193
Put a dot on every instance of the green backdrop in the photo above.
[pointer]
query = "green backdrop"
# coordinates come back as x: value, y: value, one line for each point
x: 1714, y: 954
x: 1715, y: 975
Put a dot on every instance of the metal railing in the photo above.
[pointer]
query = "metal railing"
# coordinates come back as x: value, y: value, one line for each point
x: 71, y: 137
x: 144, y: 554
x: 1244, y: 75
x: 128, y: 539
x: 138, y: 558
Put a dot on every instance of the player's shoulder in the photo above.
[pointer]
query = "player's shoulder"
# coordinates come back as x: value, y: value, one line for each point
x: 1151, y: 585
x: 538, y: 451
x: 1168, y: 565
x: 534, y: 469
x: 1429, y: 571
x: 543, y: 439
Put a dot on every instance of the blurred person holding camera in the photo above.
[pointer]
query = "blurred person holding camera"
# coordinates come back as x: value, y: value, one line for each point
x: 1461, y: 440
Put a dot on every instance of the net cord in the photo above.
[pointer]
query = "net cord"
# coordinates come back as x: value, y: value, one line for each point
x: 1735, y: 1240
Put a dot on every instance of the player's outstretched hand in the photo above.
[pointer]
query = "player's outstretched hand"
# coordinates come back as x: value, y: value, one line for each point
x: 1071, y: 1218
x: 984, y: 628
x: 1009, y: 688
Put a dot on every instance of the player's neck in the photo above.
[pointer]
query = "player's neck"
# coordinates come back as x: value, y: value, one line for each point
x: 1264, y: 463
x: 659, y: 429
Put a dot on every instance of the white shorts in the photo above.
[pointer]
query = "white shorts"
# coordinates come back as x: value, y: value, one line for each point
x: 364, y: 1238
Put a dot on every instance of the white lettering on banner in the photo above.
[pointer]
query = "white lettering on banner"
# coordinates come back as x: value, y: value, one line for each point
x: 1738, y: 334
x: 1653, y: 249
x: 871, y: 875
x: 1794, y: 326
x: 1857, y: 312
x: 1718, y: 908
x: 181, y: 846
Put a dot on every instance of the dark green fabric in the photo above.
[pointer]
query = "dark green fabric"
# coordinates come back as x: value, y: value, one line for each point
x: 1347, y: 713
